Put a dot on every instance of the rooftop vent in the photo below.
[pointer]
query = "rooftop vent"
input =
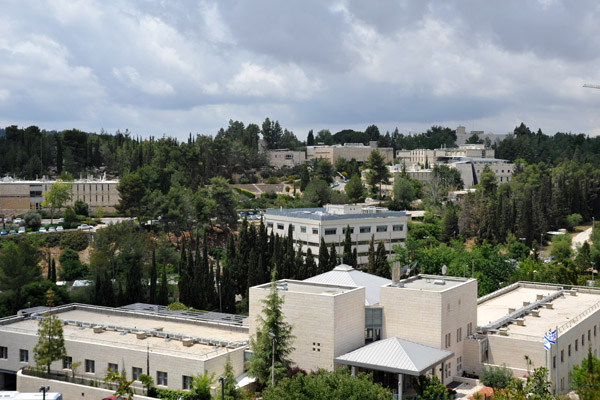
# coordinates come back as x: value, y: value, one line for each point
x: 439, y: 282
x: 282, y: 286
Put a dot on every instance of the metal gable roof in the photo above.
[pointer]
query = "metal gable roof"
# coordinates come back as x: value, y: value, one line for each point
x: 397, y: 356
x: 346, y: 275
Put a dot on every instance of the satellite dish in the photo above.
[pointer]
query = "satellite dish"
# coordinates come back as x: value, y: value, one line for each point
x: 444, y: 269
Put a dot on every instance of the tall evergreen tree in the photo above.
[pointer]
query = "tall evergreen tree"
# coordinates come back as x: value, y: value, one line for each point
x: 53, y: 273
x: 333, y: 258
x: 304, y: 177
x: 163, y: 292
x: 323, y: 258
x: 310, y: 265
x: 310, y: 138
x: 347, y: 256
x: 134, y: 289
x: 271, y: 321
x: 153, y: 278
x: 51, y: 343
x: 382, y: 267
x: 371, y: 265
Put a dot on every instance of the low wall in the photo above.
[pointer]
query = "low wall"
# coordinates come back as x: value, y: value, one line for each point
x: 70, y: 391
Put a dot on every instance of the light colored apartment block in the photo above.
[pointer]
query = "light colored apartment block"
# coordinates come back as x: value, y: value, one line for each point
x: 348, y: 151
x: 17, y: 196
x: 171, y: 347
x: 441, y: 156
x: 279, y: 158
x: 326, y: 319
x: 309, y: 225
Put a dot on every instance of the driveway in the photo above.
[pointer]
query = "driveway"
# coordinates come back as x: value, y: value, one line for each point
x: 581, y: 237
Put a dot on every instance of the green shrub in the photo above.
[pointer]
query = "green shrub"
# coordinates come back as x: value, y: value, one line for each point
x: 75, y: 240
x: 496, y: 377
x: 244, y: 192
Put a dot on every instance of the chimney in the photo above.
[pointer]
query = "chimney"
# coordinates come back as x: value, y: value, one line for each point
x: 396, y: 272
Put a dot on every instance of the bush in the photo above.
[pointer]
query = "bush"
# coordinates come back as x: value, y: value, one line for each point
x: 496, y: 377
x: 75, y: 240
x: 32, y: 219
x: 272, y: 179
x: 573, y: 220
x: 71, y: 267
x: 244, y: 192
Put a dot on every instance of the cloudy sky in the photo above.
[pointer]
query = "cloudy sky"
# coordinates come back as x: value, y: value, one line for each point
x: 175, y: 67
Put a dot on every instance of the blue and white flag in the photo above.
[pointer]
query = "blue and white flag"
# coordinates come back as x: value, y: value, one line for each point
x: 547, y: 343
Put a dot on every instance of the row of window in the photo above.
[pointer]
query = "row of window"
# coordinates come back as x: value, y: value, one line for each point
x: 23, y: 354
x: 334, y: 231
x: 459, y: 335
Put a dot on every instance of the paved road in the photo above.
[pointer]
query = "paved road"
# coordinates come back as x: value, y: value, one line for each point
x: 581, y: 237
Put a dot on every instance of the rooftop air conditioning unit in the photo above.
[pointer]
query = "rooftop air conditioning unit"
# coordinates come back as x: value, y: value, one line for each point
x: 439, y: 282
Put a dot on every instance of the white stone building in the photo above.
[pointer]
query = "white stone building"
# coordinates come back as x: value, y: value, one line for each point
x: 309, y: 225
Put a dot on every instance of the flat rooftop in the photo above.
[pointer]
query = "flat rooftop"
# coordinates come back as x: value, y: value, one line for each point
x: 133, y: 330
x: 325, y: 289
x: 320, y: 214
x: 565, y: 307
x: 431, y: 283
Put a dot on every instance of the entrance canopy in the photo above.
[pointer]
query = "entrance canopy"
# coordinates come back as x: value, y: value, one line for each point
x: 397, y: 356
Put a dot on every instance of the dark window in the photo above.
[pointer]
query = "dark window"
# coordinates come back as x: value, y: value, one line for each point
x: 270, y: 225
x: 90, y: 366
x: 330, y: 231
x: 315, y: 231
x: 303, y: 229
x: 365, y: 229
x: 381, y: 228
x: 161, y: 378
x: 280, y: 226
x: 113, y: 367
x: 398, y: 228
x: 23, y: 355
x: 344, y: 230
x: 135, y: 373
x: 67, y: 361
x: 187, y: 382
x: 3, y: 352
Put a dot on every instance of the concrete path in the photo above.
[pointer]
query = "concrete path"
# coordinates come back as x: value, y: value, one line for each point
x: 581, y: 237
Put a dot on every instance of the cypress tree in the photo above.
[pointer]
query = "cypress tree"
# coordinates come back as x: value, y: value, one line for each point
x: 323, y: 258
x: 371, y: 263
x: 134, y: 289
x: 333, y: 259
x: 53, y: 268
x: 354, y: 258
x: 299, y: 271
x: 347, y: 257
x: 311, y: 266
x: 153, y: 278
x: 382, y: 267
x: 163, y: 292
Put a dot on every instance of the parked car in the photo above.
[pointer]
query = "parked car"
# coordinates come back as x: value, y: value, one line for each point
x: 12, y: 232
x: 52, y: 229
x: 22, y: 230
x: 9, y: 220
x: 84, y: 227
x: 61, y: 220
x: 42, y: 230
x: 59, y: 228
x: 18, y: 220
x: 3, y: 233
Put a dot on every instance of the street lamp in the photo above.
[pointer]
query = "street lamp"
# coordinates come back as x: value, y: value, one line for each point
x: 222, y: 380
x: 272, y: 336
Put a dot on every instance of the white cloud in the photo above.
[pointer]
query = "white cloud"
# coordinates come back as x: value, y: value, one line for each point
x: 130, y: 76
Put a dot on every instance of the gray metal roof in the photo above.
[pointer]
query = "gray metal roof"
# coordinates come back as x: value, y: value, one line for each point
x: 320, y: 214
x: 346, y: 275
x: 397, y: 356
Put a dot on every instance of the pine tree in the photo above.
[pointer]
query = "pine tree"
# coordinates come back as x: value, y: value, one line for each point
x: 134, y: 289
x: 153, y: 278
x: 372, y: 261
x: 333, y: 259
x: 310, y: 265
x: 231, y: 392
x: 304, y: 177
x: 271, y: 321
x: 53, y: 268
x: 51, y: 343
x: 347, y: 257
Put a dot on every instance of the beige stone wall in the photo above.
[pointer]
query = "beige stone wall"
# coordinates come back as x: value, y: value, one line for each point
x: 70, y: 391
x: 175, y: 365
x: 325, y: 326
x: 288, y: 158
x: 472, y: 356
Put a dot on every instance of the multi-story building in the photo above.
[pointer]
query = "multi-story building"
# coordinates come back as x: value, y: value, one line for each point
x: 279, y: 158
x: 441, y: 156
x: 171, y: 347
x: 309, y: 225
x: 358, y: 151
x: 18, y: 196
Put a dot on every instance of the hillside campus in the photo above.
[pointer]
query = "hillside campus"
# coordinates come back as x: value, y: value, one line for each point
x: 398, y: 329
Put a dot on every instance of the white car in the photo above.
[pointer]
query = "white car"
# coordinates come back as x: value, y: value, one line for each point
x: 59, y: 228
x: 18, y: 220
x: 42, y: 230
x: 52, y: 229
x: 22, y: 230
x: 84, y: 227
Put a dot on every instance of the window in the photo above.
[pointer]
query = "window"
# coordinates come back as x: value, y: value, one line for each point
x: 3, y: 352
x: 67, y: 361
x: 576, y: 345
x: 589, y: 335
x: 562, y: 356
x: 398, y: 228
x: 303, y: 229
x: 448, y: 369
x: 161, y: 378
x: 280, y: 227
x: 315, y: 231
x: 469, y: 329
x: 344, y: 230
x: 187, y: 382
x: 569, y: 351
x: 330, y: 231
x: 270, y: 225
x: 90, y: 366
x: 583, y: 340
x: 23, y: 355
x: 458, y: 364
x: 113, y: 367
x: 317, y: 347
x: 554, y: 362
x: 448, y: 340
x: 594, y: 330
x: 381, y: 228
x: 458, y: 335
x: 365, y: 229
x: 135, y: 373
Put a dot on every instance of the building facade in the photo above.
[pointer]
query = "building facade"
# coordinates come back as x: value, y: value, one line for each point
x: 309, y: 225
x: 279, y: 158
x: 348, y: 151
x: 17, y: 196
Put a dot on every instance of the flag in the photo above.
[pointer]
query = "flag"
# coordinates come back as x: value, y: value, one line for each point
x: 547, y: 343
x: 552, y: 336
